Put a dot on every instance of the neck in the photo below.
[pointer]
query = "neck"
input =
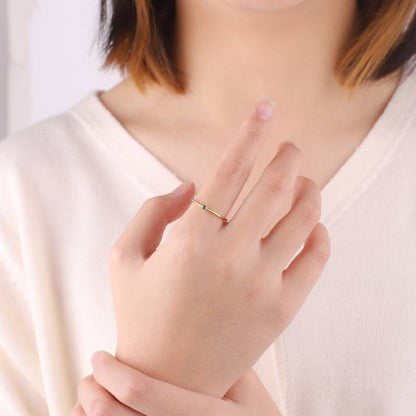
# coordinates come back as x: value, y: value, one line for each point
x: 232, y: 56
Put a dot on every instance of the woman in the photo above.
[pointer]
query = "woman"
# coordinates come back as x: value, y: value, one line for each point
x: 191, y: 318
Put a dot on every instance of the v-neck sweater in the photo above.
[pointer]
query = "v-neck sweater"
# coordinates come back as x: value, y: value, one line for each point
x: 69, y: 184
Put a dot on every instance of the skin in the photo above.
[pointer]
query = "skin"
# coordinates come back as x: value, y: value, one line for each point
x: 139, y: 394
x: 287, y: 50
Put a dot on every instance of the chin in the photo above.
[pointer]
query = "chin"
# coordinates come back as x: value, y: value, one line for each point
x: 264, y: 5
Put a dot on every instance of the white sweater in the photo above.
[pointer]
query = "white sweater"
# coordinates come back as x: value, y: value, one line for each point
x: 70, y: 184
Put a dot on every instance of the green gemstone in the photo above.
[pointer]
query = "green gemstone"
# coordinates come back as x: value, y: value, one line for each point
x: 204, y: 206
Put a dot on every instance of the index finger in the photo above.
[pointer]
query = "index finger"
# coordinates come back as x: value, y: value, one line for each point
x: 235, y: 164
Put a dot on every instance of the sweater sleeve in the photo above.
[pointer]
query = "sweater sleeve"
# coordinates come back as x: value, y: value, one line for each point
x: 21, y: 384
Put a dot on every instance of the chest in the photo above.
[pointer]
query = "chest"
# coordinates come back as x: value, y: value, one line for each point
x: 195, y: 160
x: 352, y: 346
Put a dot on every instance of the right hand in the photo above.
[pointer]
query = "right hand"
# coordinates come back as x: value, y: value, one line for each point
x: 201, y: 309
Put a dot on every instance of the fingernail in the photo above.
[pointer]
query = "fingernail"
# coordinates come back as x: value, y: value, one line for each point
x: 265, y: 109
x: 181, y: 187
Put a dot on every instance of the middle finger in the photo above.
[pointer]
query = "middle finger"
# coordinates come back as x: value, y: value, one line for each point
x: 234, y: 166
x: 261, y: 205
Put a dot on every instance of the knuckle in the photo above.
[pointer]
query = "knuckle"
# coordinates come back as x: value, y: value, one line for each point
x: 251, y: 129
x: 254, y: 293
x: 232, y: 167
x: 133, y: 391
x: 278, y: 183
x: 320, y: 256
x: 152, y: 202
x: 230, y: 263
x: 100, y: 360
x: 309, y: 213
x: 321, y: 252
x: 116, y: 255
x: 100, y: 406
x: 228, y: 268
x: 186, y: 249
x: 83, y: 386
x: 281, y: 313
x: 312, y: 188
x: 291, y: 147
x: 253, y: 132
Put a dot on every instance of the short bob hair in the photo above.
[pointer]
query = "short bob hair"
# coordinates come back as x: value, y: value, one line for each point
x: 135, y: 36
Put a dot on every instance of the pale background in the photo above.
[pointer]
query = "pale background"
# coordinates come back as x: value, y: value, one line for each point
x: 48, y: 59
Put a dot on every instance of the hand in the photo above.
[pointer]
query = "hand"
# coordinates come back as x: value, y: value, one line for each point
x: 116, y: 389
x: 200, y: 309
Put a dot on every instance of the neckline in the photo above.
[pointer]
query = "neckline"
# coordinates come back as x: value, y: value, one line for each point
x: 351, y: 179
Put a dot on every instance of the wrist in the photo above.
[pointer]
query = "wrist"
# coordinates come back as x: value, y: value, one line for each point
x: 173, y: 367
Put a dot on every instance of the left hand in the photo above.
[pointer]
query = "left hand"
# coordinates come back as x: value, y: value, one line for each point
x: 119, y: 390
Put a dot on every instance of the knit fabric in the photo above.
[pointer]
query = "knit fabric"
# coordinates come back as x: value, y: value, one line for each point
x: 70, y: 184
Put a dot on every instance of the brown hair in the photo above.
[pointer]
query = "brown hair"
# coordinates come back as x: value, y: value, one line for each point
x: 136, y: 37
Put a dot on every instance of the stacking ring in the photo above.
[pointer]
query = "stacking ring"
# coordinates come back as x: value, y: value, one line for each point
x: 204, y: 207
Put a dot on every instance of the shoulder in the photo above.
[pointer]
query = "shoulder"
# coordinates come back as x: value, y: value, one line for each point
x: 53, y: 151
x: 37, y: 165
x: 38, y: 162
x: 43, y: 141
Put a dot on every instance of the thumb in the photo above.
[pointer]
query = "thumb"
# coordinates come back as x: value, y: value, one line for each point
x: 150, y: 396
x: 145, y: 231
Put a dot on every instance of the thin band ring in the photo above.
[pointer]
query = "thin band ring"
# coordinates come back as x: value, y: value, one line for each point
x: 204, y: 207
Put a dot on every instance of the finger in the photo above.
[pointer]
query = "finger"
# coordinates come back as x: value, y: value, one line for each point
x: 288, y: 235
x: 145, y: 231
x: 249, y: 392
x: 78, y: 410
x: 303, y: 272
x: 234, y: 166
x: 148, y: 395
x: 95, y: 400
x: 260, y: 206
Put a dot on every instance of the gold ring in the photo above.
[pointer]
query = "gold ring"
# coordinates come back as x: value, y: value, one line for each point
x: 204, y: 207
